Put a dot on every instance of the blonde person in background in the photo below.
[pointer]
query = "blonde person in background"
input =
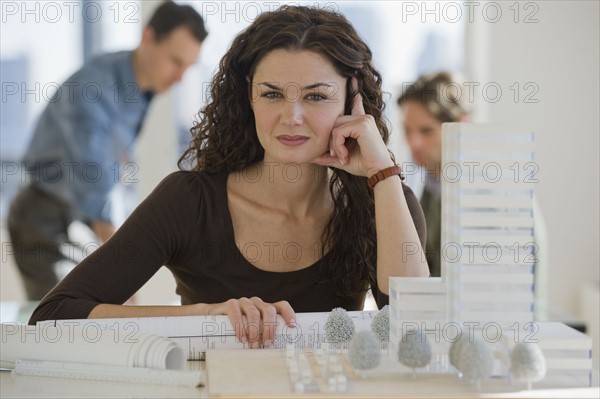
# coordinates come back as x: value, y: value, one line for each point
x: 426, y: 104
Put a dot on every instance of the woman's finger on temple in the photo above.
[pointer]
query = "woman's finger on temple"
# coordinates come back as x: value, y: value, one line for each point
x: 357, y: 103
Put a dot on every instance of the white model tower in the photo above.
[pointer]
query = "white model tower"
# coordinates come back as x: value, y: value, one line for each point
x: 488, y: 249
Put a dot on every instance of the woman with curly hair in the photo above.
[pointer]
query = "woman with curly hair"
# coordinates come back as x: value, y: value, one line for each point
x: 292, y: 203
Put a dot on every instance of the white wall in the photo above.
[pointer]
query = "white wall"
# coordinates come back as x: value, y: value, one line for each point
x: 559, y: 56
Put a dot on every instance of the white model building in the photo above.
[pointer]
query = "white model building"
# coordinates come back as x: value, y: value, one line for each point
x: 488, y: 249
x: 488, y: 252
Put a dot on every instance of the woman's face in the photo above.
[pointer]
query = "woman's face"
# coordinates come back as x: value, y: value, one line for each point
x: 423, y: 134
x: 296, y: 98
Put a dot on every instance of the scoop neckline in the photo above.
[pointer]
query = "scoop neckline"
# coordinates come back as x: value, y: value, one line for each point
x: 310, y: 270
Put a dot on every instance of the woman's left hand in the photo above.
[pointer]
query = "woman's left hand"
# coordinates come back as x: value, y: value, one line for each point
x: 367, y: 153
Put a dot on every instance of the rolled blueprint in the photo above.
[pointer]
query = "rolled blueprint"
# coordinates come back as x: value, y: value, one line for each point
x: 88, y: 345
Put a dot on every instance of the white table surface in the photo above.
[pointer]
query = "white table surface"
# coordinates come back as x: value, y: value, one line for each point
x: 13, y: 386
x: 18, y: 386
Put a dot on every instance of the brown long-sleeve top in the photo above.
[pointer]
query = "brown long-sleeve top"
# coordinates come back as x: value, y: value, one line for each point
x: 185, y: 224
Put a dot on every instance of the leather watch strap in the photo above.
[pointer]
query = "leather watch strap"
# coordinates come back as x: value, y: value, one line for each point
x: 384, y: 174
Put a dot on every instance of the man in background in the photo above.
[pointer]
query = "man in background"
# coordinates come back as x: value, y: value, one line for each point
x: 87, y: 129
x: 426, y: 104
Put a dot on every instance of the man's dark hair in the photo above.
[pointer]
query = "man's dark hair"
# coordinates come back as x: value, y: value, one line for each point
x: 169, y: 16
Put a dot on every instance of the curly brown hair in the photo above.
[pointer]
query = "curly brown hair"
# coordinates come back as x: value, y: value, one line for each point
x: 225, y: 138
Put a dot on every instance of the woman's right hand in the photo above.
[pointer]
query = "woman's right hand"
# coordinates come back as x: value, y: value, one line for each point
x: 259, y: 328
